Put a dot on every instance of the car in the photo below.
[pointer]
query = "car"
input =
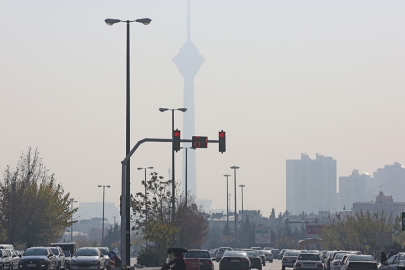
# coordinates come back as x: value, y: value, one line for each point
x: 281, y: 254
x: 105, y: 252
x: 254, y: 257
x: 269, y: 255
x: 6, y: 246
x: 335, y: 263
x: 329, y: 257
x: 6, y: 261
x: 262, y: 256
x: 355, y: 262
x: 256, y: 248
x: 309, y: 261
x: 289, y: 258
x: 391, y: 263
x: 15, y: 258
x: 234, y: 260
x: 202, y: 256
x: 276, y: 253
x: 213, y: 252
x: 220, y: 252
x: 37, y: 258
x: 87, y: 258
x: 60, y: 257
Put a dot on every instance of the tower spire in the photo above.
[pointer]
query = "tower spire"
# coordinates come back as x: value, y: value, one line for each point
x: 188, y: 20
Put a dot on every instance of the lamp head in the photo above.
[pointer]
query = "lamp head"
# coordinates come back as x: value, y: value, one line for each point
x: 150, y: 168
x: 99, y: 185
x: 163, y: 109
x: 111, y: 21
x: 242, y: 186
x: 108, y: 186
x: 182, y: 109
x: 144, y: 21
x: 234, y: 167
x: 139, y: 168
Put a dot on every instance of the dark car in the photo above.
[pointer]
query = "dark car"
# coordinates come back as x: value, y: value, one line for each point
x: 202, y: 256
x: 391, y: 263
x: 6, y: 261
x: 234, y: 260
x: 37, y: 258
x: 254, y: 257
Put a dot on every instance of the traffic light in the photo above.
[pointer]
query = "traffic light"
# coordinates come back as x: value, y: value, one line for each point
x: 222, y: 145
x: 176, y: 140
x: 199, y: 142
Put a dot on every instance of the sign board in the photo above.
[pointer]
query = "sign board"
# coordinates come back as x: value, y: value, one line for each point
x: 403, y: 221
x: 313, y: 230
x: 383, y: 238
x: 263, y: 235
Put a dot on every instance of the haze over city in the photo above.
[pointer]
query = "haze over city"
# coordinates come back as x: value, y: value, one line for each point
x: 281, y: 78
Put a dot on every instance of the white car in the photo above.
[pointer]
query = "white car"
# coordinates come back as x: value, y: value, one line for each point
x: 308, y: 261
x: 220, y: 253
x: 88, y: 258
x: 269, y: 255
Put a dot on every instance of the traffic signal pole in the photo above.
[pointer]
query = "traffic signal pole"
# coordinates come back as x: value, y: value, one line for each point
x: 125, y: 230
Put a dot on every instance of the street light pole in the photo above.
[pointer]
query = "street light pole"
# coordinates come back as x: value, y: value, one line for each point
x: 173, y: 170
x: 125, y: 217
x: 102, y: 230
x: 234, y: 174
x: 71, y: 226
x: 146, y: 207
x: 242, y: 186
x: 227, y: 200
x: 186, y: 188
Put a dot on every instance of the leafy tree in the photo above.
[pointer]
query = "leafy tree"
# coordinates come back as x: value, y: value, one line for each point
x: 113, y: 236
x: 34, y: 209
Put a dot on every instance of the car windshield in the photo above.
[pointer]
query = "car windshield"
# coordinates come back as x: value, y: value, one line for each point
x: 361, y: 258
x: 197, y: 254
x: 55, y: 251
x: 104, y: 251
x: 86, y: 252
x: 291, y: 253
x: 36, y: 251
x: 67, y: 253
x: 252, y: 253
x: 339, y: 256
x: 308, y: 257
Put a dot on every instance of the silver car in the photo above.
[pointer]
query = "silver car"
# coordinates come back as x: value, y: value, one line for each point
x: 308, y: 261
x: 289, y: 258
x: 88, y: 258
x: 60, y: 257
x: 220, y: 252
x: 105, y: 252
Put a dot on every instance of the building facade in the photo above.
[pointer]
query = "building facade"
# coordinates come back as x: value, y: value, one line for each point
x: 391, y: 180
x: 382, y: 203
x: 311, y: 184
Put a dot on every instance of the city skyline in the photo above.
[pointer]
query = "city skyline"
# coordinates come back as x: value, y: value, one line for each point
x: 281, y: 78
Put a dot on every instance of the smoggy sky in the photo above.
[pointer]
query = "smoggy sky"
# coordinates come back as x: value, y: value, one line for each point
x: 280, y: 77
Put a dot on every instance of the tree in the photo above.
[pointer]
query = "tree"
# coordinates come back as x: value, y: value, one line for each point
x: 112, y: 238
x: 34, y: 209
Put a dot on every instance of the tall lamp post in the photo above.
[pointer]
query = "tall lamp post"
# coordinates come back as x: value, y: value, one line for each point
x: 126, y: 191
x: 234, y: 175
x: 146, y: 208
x: 71, y: 226
x: 173, y: 179
x: 102, y: 230
x: 227, y: 200
x: 242, y: 186
x: 186, y: 188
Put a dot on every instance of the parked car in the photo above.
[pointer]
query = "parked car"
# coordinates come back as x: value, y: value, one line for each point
x: 355, y: 262
x: 6, y: 261
x: 87, y: 258
x: 60, y: 257
x: 269, y: 255
x: 201, y: 256
x: 105, y: 252
x: 234, y: 260
x: 37, y: 258
x: 220, y: 252
x: 308, y: 261
x: 289, y: 258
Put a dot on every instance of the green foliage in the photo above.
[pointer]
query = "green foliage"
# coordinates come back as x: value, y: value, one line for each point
x: 149, y: 257
x: 113, y: 236
x: 358, y: 231
x: 34, y: 210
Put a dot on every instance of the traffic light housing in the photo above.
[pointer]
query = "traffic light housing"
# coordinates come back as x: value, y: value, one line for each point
x: 199, y: 142
x: 176, y: 140
x: 221, y: 141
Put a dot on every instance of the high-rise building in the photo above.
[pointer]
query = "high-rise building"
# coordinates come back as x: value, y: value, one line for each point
x: 188, y: 62
x: 356, y: 188
x: 311, y: 184
x: 391, y: 181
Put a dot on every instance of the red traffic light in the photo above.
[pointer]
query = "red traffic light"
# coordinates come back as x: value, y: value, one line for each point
x: 177, y: 133
x: 222, y: 134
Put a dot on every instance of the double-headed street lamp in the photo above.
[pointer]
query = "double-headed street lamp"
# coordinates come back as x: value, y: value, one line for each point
x: 234, y: 174
x: 146, y: 208
x: 186, y: 188
x: 126, y: 191
x: 102, y: 231
x: 242, y: 186
x: 173, y: 174
x: 227, y: 200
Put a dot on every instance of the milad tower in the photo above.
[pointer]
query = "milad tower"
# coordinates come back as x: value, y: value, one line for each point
x: 188, y: 62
